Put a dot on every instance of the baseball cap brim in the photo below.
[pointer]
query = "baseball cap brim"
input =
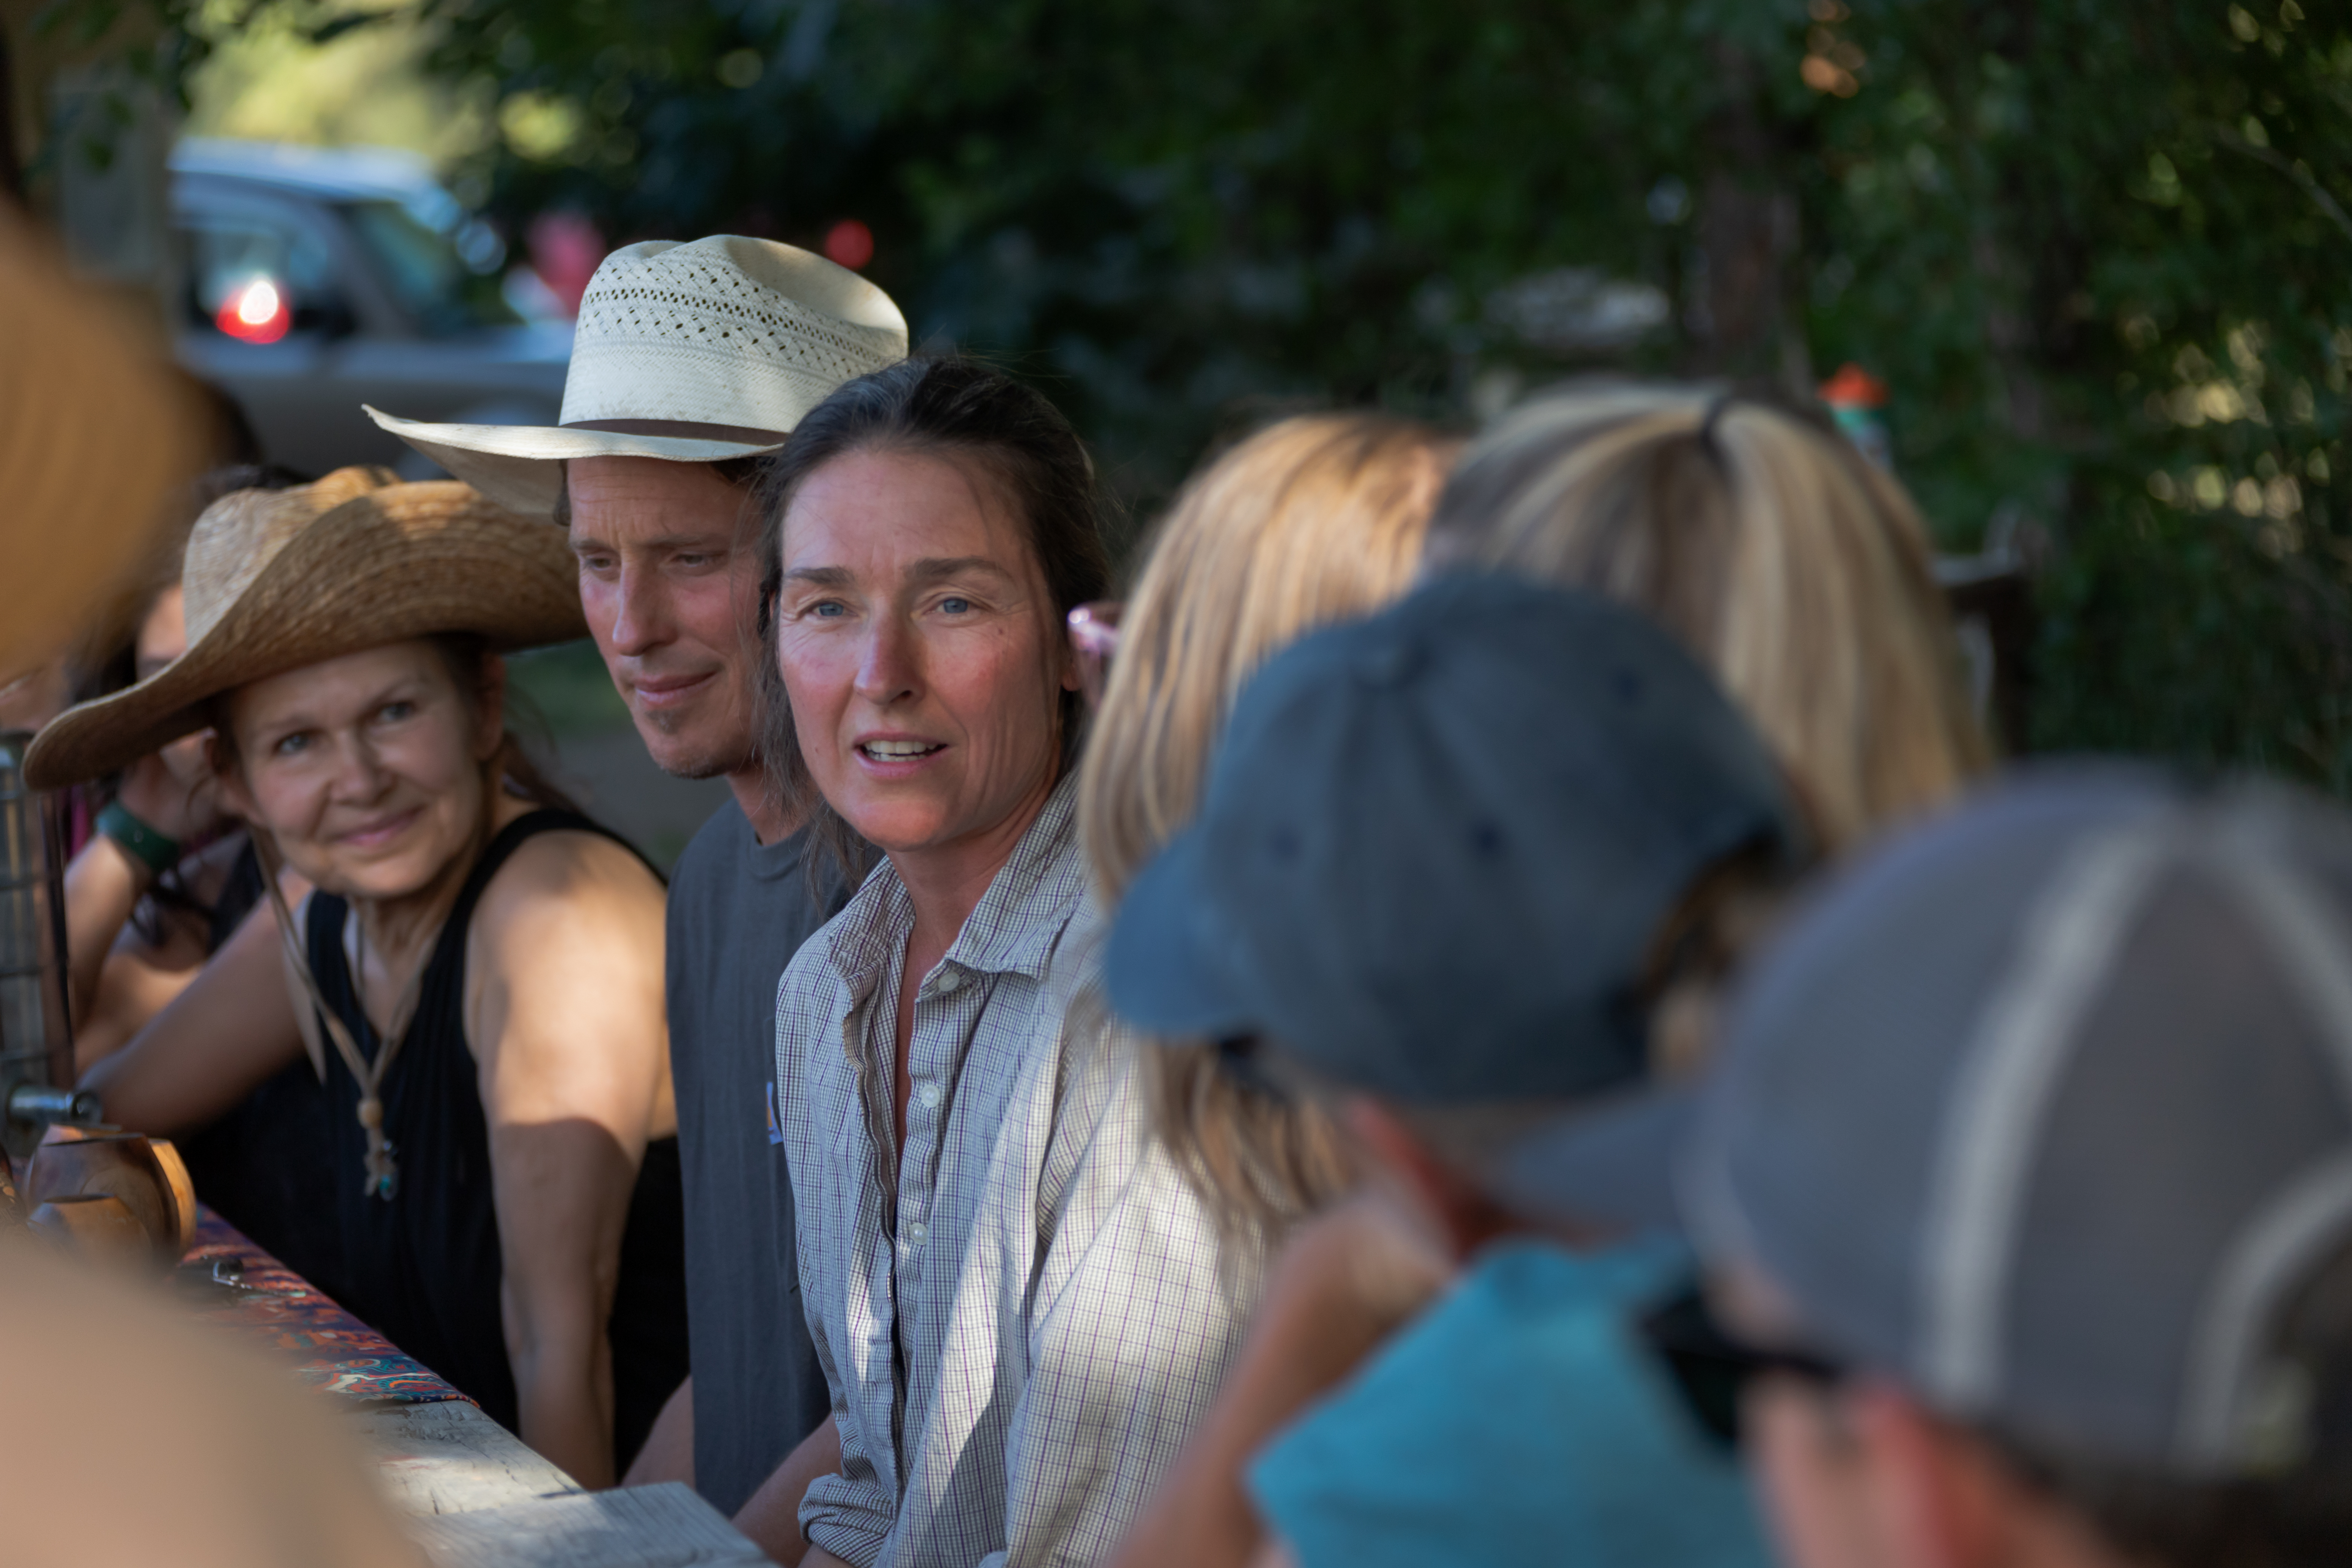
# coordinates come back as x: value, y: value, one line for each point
x: 1170, y: 968
x: 1613, y: 1167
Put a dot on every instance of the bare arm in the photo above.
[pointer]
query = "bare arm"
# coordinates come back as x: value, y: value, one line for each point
x: 773, y: 1516
x: 566, y: 1025
x: 102, y: 887
x: 104, y: 884
x: 667, y: 1454
x: 137, y: 978
x: 218, y: 1040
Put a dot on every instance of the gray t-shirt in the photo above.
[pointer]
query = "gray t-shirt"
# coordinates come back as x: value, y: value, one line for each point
x: 738, y: 912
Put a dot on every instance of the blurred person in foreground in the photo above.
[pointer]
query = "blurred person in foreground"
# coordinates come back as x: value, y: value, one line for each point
x: 142, y: 1438
x: 1787, y: 564
x: 231, y: 1465
x: 92, y: 654
x: 668, y: 409
x: 935, y: 524
x: 1801, y: 578
x: 484, y: 962
x: 1441, y: 939
x: 2023, y: 1182
x: 1312, y: 521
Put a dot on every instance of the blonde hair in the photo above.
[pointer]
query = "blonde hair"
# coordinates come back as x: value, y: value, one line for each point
x: 1315, y: 519
x: 1796, y: 571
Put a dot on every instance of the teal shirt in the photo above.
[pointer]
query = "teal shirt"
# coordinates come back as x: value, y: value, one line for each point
x: 1520, y: 1420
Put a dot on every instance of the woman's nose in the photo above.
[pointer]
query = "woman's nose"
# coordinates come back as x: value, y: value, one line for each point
x: 360, y: 775
x: 889, y: 665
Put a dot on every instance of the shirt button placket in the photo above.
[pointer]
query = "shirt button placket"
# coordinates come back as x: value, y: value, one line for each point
x: 926, y: 1097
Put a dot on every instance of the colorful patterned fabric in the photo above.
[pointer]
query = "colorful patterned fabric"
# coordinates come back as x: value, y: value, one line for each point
x: 278, y: 1308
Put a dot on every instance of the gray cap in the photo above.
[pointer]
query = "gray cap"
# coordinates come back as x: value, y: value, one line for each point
x: 2046, y: 1112
x: 1438, y: 843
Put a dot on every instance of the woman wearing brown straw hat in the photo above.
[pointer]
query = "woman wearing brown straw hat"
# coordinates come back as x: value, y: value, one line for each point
x: 479, y: 971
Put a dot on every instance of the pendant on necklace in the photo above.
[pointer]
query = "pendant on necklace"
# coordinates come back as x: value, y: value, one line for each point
x: 383, y: 1176
x: 382, y: 1170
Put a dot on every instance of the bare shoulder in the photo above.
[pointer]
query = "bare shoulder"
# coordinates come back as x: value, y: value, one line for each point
x: 576, y: 888
x: 572, y: 863
x: 565, y: 970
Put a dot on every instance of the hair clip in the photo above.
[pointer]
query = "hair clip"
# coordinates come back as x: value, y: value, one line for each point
x: 1094, y: 627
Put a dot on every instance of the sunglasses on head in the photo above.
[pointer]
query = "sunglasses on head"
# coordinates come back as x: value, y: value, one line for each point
x: 1711, y: 1367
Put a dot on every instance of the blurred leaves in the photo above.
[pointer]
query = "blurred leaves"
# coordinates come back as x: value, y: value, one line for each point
x: 2098, y: 249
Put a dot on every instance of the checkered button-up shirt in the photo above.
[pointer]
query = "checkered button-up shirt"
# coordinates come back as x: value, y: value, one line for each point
x: 1022, y: 1312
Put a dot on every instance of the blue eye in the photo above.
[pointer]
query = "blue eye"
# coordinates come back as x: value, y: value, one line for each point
x: 393, y: 713
x: 955, y: 606
x: 291, y: 745
x: 829, y: 609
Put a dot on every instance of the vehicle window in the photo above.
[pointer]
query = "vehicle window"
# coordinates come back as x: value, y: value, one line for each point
x: 426, y: 269
x: 257, y: 280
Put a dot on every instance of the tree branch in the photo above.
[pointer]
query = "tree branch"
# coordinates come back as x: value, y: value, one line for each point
x: 2303, y: 177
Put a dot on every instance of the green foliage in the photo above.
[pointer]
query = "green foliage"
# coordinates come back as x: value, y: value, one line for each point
x: 2097, y: 247
x: 2098, y: 251
x: 564, y: 691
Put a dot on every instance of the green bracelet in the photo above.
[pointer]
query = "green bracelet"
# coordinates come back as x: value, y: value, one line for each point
x: 143, y: 843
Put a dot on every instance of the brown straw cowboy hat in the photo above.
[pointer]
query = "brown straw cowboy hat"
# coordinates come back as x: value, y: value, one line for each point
x: 82, y: 500
x: 278, y: 580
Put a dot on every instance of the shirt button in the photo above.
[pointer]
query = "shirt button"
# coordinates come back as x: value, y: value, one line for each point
x: 949, y: 980
x: 915, y: 1234
x: 927, y: 1094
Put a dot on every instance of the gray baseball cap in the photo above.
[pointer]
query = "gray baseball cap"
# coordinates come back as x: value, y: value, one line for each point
x: 1437, y: 845
x: 2046, y: 1112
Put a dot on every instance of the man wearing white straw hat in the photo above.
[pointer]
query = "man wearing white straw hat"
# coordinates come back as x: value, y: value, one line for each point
x: 691, y: 362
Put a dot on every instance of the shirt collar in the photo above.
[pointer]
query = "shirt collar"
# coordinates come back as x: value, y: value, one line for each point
x: 1012, y: 931
x: 1018, y: 922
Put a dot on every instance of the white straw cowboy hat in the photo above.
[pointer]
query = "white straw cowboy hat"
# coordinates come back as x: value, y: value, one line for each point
x: 82, y: 500
x: 694, y: 354
x: 277, y: 580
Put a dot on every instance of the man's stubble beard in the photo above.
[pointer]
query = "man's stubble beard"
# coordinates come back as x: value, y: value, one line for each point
x: 710, y: 760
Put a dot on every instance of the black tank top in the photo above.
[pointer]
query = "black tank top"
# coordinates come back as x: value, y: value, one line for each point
x: 259, y: 1164
x: 422, y: 1268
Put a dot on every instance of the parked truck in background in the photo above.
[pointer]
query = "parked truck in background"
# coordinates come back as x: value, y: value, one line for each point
x: 315, y: 280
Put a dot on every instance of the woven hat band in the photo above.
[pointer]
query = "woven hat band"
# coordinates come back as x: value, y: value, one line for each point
x: 685, y: 430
